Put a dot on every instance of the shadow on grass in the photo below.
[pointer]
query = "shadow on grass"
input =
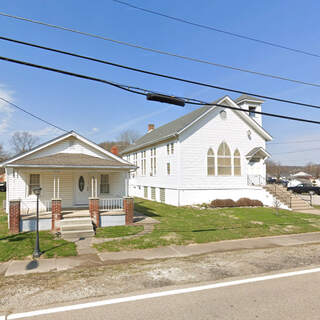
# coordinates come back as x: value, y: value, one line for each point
x: 17, y: 237
x: 55, y: 247
x: 145, y: 210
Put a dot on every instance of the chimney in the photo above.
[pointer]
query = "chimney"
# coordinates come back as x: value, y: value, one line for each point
x: 114, y: 150
x: 150, y: 127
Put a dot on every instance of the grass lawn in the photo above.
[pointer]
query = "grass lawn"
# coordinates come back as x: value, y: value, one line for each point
x: 118, y: 231
x: 188, y: 225
x: 21, y: 245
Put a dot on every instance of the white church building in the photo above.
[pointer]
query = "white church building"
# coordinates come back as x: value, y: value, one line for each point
x: 210, y: 153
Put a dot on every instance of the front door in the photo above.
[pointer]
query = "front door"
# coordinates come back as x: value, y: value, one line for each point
x: 81, y: 189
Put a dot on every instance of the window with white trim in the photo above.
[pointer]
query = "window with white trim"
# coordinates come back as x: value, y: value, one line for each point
x: 153, y: 162
x: 224, y: 160
x: 143, y: 163
x: 34, y: 182
x: 168, y: 169
x: 172, y: 148
x: 211, y: 163
x: 104, y: 183
x: 168, y: 148
x: 237, y: 163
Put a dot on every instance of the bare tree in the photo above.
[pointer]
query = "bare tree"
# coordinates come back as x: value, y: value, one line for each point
x: 23, y: 141
x: 129, y: 136
x: 3, y: 157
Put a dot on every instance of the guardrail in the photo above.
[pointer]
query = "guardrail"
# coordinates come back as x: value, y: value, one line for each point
x: 30, y: 206
x: 256, y: 180
x: 111, y: 204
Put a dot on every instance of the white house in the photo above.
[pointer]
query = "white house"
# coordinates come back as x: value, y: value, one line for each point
x: 71, y: 170
x: 210, y: 153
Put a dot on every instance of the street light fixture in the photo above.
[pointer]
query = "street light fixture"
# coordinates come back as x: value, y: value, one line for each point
x: 37, y: 252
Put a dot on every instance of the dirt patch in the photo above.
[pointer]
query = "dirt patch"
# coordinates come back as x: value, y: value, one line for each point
x: 257, y: 222
x: 20, y: 293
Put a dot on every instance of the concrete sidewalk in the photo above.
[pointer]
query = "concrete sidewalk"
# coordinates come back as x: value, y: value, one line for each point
x: 21, y: 267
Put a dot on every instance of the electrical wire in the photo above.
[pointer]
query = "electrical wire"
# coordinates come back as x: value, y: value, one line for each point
x: 32, y: 115
x: 136, y: 46
x: 297, y: 151
x: 203, y: 26
x: 293, y: 142
x: 156, y: 74
x: 143, y: 91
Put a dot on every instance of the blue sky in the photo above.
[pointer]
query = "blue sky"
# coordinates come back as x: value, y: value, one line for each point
x: 100, y: 112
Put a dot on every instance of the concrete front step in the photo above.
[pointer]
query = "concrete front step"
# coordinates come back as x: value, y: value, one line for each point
x: 79, y: 227
x: 76, y: 228
x: 65, y: 222
x: 77, y: 234
x: 287, y: 197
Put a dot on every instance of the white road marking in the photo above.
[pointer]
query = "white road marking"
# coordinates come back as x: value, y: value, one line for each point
x: 157, y: 294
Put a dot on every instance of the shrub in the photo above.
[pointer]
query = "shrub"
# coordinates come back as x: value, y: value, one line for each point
x: 246, y: 202
x: 222, y: 203
x: 257, y: 203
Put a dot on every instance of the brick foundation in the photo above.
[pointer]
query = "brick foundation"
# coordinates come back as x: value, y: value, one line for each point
x: 56, y: 215
x: 14, y: 212
x: 94, y: 211
x: 128, y: 207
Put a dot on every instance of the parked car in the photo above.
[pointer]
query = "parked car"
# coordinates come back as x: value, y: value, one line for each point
x: 305, y: 188
x: 3, y: 187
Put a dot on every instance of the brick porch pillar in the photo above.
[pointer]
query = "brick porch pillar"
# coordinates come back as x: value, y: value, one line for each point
x: 14, y: 216
x: 94, y: 211
x: 128, y: 207
x: 56, y: 215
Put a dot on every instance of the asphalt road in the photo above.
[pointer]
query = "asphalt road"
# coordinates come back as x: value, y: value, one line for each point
x: 295, y: 297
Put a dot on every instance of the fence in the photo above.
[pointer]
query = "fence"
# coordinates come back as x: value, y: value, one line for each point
x: 111, y: 204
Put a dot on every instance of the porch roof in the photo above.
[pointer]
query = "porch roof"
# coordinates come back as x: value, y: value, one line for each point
x: 71, y: 160
x: 258, y: 152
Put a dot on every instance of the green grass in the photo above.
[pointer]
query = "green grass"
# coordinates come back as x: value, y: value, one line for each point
x: 118, y: 231
x: 21, y: 245
x: 2, y: 197
x: 188, y: 225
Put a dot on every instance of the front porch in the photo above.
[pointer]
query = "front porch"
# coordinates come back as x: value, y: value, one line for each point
x: 101, y: 212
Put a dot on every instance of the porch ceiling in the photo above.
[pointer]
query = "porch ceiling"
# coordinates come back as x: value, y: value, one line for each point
x: 70, y: 160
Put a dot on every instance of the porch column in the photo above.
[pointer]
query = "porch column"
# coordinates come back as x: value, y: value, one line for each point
x: 56, y: 215
x: 94, y: 211
x: 128, y: 207
x: 14, y: 216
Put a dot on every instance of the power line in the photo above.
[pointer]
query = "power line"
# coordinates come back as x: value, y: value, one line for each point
x: 203, y: 26
x: 297, y: 151
x: 293, y: 142
x: 157, y: 74
x: 32, y: 115
x: 143, y: 92
x: 136, y: 46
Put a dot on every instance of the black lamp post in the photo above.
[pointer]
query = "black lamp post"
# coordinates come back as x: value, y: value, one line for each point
x: 37, y: 252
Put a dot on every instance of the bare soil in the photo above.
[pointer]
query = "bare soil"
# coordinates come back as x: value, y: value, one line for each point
x: 21, y: 293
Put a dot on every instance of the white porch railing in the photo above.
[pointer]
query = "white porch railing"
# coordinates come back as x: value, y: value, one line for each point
x: 256, y: 180
x: 111, y: 204
x: 30, y: 206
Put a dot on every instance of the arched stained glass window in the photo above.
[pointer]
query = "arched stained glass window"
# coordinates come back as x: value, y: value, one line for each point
x: 211, y: 162
x: 237, y: 163
x: 224, y: 160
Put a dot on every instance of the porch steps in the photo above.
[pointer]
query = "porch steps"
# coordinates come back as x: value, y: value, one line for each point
x: 288, y: 198
x: 72, y: 228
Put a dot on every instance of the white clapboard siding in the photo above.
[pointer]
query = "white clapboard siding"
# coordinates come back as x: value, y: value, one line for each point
x: 69, y: 145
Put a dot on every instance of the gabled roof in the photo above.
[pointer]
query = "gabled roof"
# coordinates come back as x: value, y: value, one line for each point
x: 18, y: 160
x: 256, y: 151
x: 175, y: 127
x: 62, y: 160
x: 245, y: 97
